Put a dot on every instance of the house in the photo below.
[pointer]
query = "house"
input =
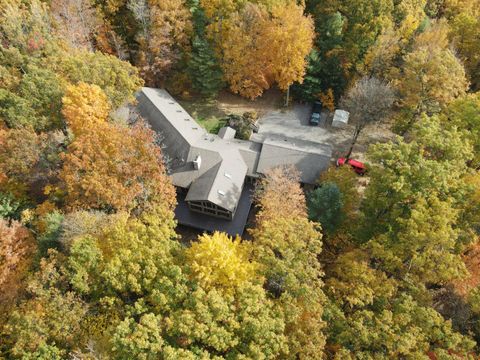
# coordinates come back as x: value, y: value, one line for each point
x: 213, y: 174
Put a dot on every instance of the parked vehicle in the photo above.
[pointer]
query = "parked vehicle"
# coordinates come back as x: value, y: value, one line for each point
x: 315, y: 117
x: 356, y: 165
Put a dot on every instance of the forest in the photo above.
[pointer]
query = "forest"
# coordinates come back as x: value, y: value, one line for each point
x: 92, y: 265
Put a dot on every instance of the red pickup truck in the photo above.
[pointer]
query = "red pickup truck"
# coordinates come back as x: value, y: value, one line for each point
x: 356, y: 165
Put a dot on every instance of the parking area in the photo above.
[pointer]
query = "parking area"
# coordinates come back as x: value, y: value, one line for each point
x: 294, y: 123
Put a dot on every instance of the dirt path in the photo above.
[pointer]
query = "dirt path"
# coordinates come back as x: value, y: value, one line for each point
x: 230, y: 103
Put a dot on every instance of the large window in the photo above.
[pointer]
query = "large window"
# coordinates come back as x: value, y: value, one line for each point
x: 206, y: 207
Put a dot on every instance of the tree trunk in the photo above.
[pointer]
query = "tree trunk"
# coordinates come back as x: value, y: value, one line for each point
x: 357, y: 131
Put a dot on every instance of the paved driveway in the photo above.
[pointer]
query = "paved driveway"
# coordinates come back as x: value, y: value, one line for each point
x: 293, y: 123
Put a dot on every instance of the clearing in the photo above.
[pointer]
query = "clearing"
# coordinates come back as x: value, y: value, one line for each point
x: 276, y: 120
x: 211, y: 113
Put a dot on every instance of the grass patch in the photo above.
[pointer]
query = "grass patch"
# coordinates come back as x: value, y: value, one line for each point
x: 212, y: 124
x: 206, y: 113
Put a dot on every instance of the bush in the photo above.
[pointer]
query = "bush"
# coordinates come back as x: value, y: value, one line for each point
x: 243, y: 124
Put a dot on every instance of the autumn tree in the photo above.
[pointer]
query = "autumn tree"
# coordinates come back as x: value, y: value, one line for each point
x: 414, y: 202
x: 422, y: 247
x: 289, y: 35
x: 35, y: 102
x: 85, y: 107
x: 77, y: 21
x: 368, y: 101
x: 370, y: 314
x: 280, y: 187
x: 108, y: 161
x: 164, y: 29
x: 50, y: 317
x: 402, y: 328
x: 118, y: 79
x: 17, y: 161
x: 383, y: 57
x: 353, y: 284
x: 208, y: 324
x: 286, y: 246
x: 464, y: 114
x: 429, y: 65
x: 27, y: 27
x: 408, y: 16
x: 220, y: 262
x: 465, y: 29
x: 276, y: 42
x: 432, y: 68
x: 16, y: 250
x: 433, y: 162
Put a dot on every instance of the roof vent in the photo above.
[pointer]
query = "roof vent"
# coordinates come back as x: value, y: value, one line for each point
x: 221, y: 192
x: 195, y: 128
x: 179, y: 110
x: 171, y: 102
x: 197, y: 163
x: 186, y: 119
x: 227, y: 175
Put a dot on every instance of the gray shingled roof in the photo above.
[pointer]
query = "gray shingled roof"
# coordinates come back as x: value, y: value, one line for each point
x: 222, y: 173
x: 227, y: 132
x: 201, y: 221
x: 308, y: 157
x: 223, y: 183
x: 225, y: 161
x: 186, y: 127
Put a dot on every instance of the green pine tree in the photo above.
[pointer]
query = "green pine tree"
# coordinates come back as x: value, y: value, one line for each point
x: 204, y: 68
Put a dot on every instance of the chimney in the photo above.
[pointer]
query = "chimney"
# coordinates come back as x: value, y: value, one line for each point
x: 197, y: 162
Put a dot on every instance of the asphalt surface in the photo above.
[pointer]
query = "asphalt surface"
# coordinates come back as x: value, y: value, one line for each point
x: 293, y: 123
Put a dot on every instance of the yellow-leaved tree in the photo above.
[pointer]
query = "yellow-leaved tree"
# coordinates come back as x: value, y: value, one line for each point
x: 431, y: 78
x: 465, y: 33
x: 84, y: 107
x: 263, y: 47
x: 286, y: 41
x: 287, y: 246
x: 218, y: 261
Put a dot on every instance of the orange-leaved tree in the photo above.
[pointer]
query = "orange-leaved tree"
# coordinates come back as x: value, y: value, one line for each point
x: 109, y: 166
x: 16, y: 248
x: 84, y: 105
x: 114, y: 168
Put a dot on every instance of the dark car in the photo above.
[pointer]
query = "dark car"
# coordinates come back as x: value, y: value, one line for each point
x: 315, y: 117
x: 356, y: 165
